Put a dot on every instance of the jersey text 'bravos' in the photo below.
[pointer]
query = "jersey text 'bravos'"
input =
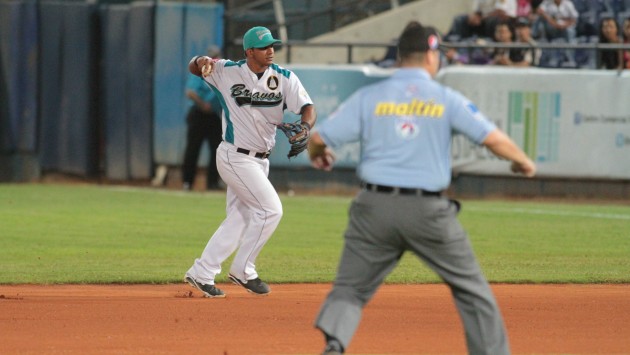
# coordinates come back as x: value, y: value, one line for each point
x: 243, y: 96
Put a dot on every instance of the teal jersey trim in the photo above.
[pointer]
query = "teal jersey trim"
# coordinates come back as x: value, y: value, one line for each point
x: 285, y: 72
x: 229, y: 127
x: 275, y: 67
x: 230, y: 63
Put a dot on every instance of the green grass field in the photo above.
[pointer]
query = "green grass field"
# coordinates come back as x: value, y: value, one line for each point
x: 107, y: 234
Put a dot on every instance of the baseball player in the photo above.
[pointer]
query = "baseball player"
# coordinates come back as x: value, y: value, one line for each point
x: 254, y: 93
x: 404, y: 125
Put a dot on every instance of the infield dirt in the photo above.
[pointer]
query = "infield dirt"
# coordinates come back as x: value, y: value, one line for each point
x: 401, y: 319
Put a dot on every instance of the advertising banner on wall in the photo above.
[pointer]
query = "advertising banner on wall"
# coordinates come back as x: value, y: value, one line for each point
x: 573, y: 123
x: 328, y: 86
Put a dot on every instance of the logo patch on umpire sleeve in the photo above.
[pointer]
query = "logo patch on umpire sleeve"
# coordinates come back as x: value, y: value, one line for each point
x: 473, y: 110
x: 272, y: 82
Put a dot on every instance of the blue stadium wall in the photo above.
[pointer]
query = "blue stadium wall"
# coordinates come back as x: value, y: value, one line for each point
x: 18, y: 87
x: 182, y: 31
x: 98, y: 90
x: 84, y: 86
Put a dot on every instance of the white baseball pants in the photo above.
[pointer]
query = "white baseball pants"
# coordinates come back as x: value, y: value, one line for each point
x: 253, y: 212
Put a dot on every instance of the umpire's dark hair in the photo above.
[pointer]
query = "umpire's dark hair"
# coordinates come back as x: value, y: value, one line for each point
x: 418, y: 38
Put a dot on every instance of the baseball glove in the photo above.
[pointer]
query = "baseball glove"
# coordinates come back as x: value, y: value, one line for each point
x: 298, y: 134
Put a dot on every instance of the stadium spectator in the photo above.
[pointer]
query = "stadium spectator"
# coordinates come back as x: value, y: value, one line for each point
x: 609, y: 33
x: 557, y: 23
x: 479, y: 27
x: 530, y: 56
x: 465, y: 26
x: 626, y: 40
x: 503, y: 34
x: 523, y: 8
x: 493, y: 12
x: 527, y: 8
x: 478, y: 56
x: 535, y: 4
x: 452, y: 56
x: 557, y: 19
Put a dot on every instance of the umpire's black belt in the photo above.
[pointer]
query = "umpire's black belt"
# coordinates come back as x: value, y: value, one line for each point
x: 400, y: 190
x: 264, y: 155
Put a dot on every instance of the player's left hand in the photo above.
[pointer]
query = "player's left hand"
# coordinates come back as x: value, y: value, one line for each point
x: 298, y: 134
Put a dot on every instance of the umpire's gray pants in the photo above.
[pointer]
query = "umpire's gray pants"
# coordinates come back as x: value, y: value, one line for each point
x: 381, y: 227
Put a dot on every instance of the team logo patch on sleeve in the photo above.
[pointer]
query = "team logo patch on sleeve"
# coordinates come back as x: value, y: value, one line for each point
x: 473, y: 110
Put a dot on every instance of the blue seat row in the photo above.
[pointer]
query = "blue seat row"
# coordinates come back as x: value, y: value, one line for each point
x: 593, y: 11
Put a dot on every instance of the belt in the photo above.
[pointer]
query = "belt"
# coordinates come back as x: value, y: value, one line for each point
x: 400, y: 190
x: 264, y: 155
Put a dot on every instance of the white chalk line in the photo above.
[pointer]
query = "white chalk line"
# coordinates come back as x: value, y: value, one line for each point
x: 552, y: 213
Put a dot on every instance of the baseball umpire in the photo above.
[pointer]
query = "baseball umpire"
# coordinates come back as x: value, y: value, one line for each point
x: 404, y: 125
x: 254, y: 93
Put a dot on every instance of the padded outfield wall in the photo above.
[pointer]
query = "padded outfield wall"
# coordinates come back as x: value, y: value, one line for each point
x: 18, y: 85
x: 182, y: 31
x: 85, y: 89
x: 574, y: 123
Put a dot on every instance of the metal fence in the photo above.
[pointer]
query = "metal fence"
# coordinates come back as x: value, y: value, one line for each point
x: 592, y: 48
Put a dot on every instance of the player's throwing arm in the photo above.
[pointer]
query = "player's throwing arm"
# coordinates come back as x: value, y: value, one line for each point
x: 201, y: 65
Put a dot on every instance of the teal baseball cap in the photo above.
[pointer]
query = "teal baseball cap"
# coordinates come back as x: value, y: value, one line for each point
x: 258, y: 37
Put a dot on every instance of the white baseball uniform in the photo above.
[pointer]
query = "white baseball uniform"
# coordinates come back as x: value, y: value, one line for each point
x: 252, y: 108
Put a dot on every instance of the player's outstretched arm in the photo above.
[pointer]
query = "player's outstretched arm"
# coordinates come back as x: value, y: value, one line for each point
x: 201, y: 65
x: 503, y: 146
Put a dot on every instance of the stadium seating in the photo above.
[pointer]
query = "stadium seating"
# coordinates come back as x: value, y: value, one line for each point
x: 621, y: 16
x: 581, y: 5
x: 618, y: 6
x: 591, y: 13
x: 559, y: 58
x: 586, y: 58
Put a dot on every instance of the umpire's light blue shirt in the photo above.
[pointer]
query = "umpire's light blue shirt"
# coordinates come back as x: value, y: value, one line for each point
x: 405, y: 125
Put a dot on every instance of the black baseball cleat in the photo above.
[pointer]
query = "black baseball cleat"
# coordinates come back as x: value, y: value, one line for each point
x: 333, y: 346
x: 255, y: 286
x: 331, y: 350
x: 208, y: 290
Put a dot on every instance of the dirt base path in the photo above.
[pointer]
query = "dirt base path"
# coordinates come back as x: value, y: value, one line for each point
x: 402, y: 319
